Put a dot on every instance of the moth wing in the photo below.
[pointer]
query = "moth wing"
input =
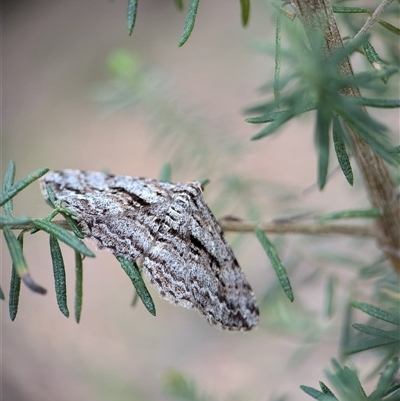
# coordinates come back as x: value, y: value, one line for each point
x: 191, y: 265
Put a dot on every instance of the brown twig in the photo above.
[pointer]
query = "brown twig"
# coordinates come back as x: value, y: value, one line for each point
x: 317, y: 18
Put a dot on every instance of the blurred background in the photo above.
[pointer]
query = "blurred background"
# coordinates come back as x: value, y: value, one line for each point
x: 79, y: 93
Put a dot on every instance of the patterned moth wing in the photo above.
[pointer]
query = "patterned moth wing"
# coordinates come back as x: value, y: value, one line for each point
x: 183, y: 250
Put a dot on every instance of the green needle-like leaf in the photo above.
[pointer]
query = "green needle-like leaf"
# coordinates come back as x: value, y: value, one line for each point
x: 63, y: 235
x: 73, y: 225
x: 376, y: 312
x: 386, y: 380
x: 326, y: 390
x: 378, y: 103
x: 375, y: 332
x: 278, y: 56
x: 340, y: 149
x: 131, y: 15
x: 389, y: 27
x: 329, y: 295
x: 51, y: 197
x: 276, y: 263
x: 14, y: 221
x: 316, y: 394
x: 245, y: 11
x: 189, y: 23
x: 19, y: 263
x: 7, y: 184
x: 133, y: 273
x: 78, y: 286
x: 368, y: 344
x: 15, y: 285
x: 20, y: 185
x: 324, y: 118
x: 59, y: 275
x: 374, y: 59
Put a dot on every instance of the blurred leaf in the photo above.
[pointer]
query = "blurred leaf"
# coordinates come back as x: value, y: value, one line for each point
x: 166, y: 173
x: 15, y: 285
x: 340, y: 149
x: 123, y: 65
x: 14, y: 221
x: 374, y: 59
x: 189, y: 23
x: 316, y: 394
x: 20, y: 185
x: 389, y: 27
x: 326, y: 390
x: 131, y: 15
x: 329, y: 295
x: 78, y: 286
x: 376, y: 312
x: 276, y: 263
x: 181, y: 388
x: 324, y: 119
x: 179, y: 4
x: 379, y: 103
x: 59, y: 275
x: 245, y: 11
x: 133, y: 273
x: 18, y: 259
x: 345, y: 329
x: 367, y: 344
x: 7, y: 184
x: 2, y: 294
x: 63, y: 235
x: 351, y: 214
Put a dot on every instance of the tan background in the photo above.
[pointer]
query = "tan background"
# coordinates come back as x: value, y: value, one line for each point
x: 53, y: 54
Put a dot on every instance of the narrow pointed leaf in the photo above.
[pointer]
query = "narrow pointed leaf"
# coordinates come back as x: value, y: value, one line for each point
x: 376, y: 312
x: 350, y: 10
x: 73, y: 225
x: 59, y: 275
x: 386, y: 379
x: 276, y: 263
x: 166, y: 173
x: 15, y: 285
x: 2, y: 297
x: 245, y: 11
x: 20, y: 185
x: 51, y: 197
x: 133, y: 273
x: 389, y: 27
x: 7, y: 184
x: 131, y: 15
x: 18, y: 259
x: 273, y: 126
x: 376, y: 332
x: 324, y: 118
x: 326, y: 390
x: 368, y: 344
x: 189, y: 23
x: 78, y: 286
x: 14, y: 221
x: 316, y: 394
x: 63, y: 235
x: 340, y: 149
x: 374, y: 59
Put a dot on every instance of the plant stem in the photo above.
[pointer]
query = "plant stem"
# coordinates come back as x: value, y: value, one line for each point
x: 373, y: 18
x: 228, y: 224
x: 317, y: 18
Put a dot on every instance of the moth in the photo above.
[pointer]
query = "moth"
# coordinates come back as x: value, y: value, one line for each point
x: 170, y: 228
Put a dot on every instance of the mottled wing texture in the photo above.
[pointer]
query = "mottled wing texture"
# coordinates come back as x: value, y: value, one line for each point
x: 170, y: 228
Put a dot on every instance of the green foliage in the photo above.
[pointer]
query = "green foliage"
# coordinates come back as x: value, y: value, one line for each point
x: 181, y: 388
x: 347, y: 386
x: 189, y: 23
x: 133, y: 272
x: 276, y: 262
